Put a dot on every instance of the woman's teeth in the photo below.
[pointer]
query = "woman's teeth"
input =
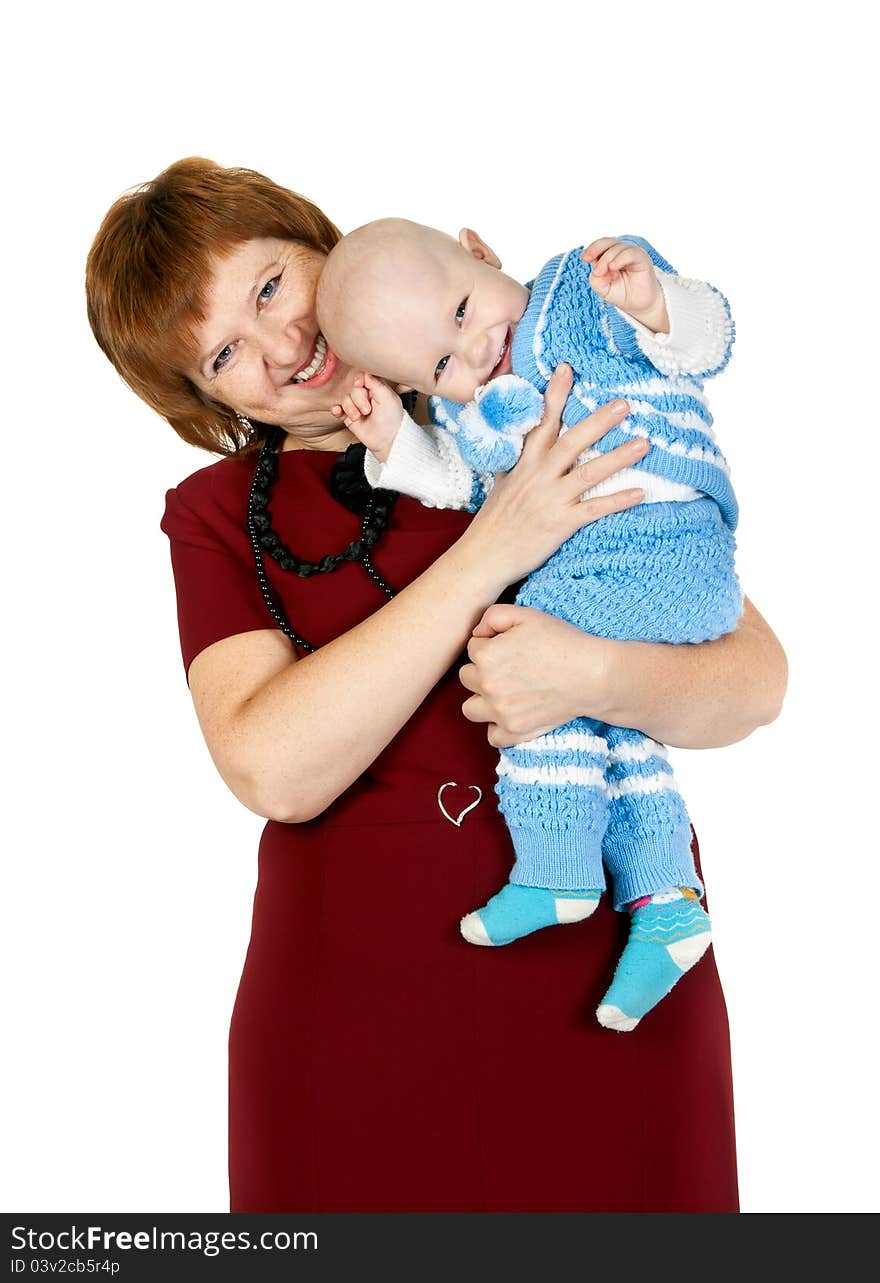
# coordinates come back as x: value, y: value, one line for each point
x: 503, y: 352
x: 315, y: 364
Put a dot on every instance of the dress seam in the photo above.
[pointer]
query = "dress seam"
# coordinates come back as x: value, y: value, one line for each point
x: 311, y: 1063
x: 477, y: 1031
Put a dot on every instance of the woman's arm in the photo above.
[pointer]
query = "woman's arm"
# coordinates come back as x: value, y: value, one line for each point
x: 530, y: 673
x: 289, y: 736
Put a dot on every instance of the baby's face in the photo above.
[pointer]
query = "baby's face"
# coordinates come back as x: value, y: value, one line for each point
x: 427, y: 313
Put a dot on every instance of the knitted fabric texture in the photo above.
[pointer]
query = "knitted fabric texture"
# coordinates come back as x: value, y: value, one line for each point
x: 590, y: 795
x: 567, y: 321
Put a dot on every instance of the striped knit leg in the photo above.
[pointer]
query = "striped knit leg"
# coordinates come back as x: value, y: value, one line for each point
x: 552, y: 795
x: 647, y: 845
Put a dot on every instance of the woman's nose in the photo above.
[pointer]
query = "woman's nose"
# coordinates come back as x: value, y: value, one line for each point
x: 283, y: 342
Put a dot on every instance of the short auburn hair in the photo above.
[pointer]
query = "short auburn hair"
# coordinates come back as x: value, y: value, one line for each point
x: 147, y: 274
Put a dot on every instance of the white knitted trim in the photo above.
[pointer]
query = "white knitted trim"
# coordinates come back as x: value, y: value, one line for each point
x: 424, y: 464
x: 555, y: 776
x: 658, y: 783
x: 679, y: 418
x: 657, y: 488
x: 700, y: 329
x: 373, y: 470
x: 655, y: 386
x: 689, y: 421
x: 578, y: 741
x: 637, y: 752
x: 707, y: 455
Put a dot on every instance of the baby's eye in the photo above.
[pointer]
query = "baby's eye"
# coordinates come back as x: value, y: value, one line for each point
x: 441, y: 366
x: 460, y: 310
x: 221, y: 358
x: 268, y: 289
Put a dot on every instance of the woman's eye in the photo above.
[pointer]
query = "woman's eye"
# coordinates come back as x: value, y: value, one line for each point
x: 441, y: 366
x: 268, y: 289
x: 460, y: 310
x: 221, y: 358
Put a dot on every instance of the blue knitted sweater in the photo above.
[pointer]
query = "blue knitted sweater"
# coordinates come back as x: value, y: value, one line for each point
x: 567, y: 321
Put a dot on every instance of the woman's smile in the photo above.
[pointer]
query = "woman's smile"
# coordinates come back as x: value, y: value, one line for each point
x: 320, y: 367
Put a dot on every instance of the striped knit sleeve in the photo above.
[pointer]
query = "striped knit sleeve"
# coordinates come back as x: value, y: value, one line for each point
x: 701, y: 329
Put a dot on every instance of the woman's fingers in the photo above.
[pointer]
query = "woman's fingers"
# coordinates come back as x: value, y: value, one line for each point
x: 588, y: 474
x: 476, y: 709
x: 593, y: 509
x: 555, y: 398
x: 499, y: 618
x: 576, y: 440
x: 467, y: 675
x: 556, y: 394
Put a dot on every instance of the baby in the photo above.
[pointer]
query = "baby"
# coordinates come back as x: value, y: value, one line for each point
x: 424, y: 311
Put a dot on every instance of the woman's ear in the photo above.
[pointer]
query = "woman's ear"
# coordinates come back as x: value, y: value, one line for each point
x: 470, y: 241
x: 401, y: 388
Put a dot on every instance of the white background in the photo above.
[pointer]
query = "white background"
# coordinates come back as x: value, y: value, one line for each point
x: 738, y: 139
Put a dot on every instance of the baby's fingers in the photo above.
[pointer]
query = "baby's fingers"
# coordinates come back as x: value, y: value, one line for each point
x: 382, y: 396
x: 350, y: 410
x: 595, y: 248
x: 361, y: 398
x: 619, y: 257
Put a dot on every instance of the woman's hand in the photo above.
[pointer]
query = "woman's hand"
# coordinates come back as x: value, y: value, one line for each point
x: 537, y: 506
x: 531, y: 673
x: 522, y: 672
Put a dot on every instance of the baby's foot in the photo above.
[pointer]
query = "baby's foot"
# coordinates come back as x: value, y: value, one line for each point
x: 517, y: 911
x: 666, y: 938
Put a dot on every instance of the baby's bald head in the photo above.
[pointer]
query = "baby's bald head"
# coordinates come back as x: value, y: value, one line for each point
x: 374, y: 282
x: 417, y: 307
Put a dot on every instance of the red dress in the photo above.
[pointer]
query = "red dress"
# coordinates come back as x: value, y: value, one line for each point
x: 378, y: 1062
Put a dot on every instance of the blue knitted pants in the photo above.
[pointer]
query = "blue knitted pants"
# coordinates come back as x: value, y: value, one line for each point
x: 589, y: 793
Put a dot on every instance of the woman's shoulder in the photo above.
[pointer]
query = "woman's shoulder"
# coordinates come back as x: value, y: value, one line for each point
x: 213, y: 501
x: 219, y: 489
x: 223, y: 477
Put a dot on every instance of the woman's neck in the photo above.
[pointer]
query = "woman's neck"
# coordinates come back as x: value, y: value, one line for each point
x: 334, y: 438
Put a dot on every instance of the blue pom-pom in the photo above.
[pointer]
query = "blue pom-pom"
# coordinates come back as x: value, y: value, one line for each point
x: 492, y: 426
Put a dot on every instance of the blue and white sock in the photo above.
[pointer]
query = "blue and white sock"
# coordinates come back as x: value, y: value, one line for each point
x: 669, y: 932
x: 517, y: 911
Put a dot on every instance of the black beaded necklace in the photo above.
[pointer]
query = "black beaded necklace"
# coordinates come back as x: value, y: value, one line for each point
x: 349, y: 487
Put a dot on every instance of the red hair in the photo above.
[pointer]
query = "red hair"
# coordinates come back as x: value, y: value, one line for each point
x: 148, y: 268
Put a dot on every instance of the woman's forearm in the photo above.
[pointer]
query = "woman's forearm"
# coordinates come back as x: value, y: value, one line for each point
x: 703, y: 696
x: 307, y: 729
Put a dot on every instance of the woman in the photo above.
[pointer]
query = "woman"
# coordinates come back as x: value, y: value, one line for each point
x: 377, y: 1061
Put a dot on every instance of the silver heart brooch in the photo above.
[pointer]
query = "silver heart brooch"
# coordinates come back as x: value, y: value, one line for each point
x: 451, y: 784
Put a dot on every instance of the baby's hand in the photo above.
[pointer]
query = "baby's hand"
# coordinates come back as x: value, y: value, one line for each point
x: 373, y: 412
x: 623, y: 275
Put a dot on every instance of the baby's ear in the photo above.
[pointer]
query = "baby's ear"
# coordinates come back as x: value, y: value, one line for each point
x: 470, y: 241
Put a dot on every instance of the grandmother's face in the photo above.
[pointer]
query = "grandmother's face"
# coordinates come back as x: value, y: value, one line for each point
x: 259, y: 349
